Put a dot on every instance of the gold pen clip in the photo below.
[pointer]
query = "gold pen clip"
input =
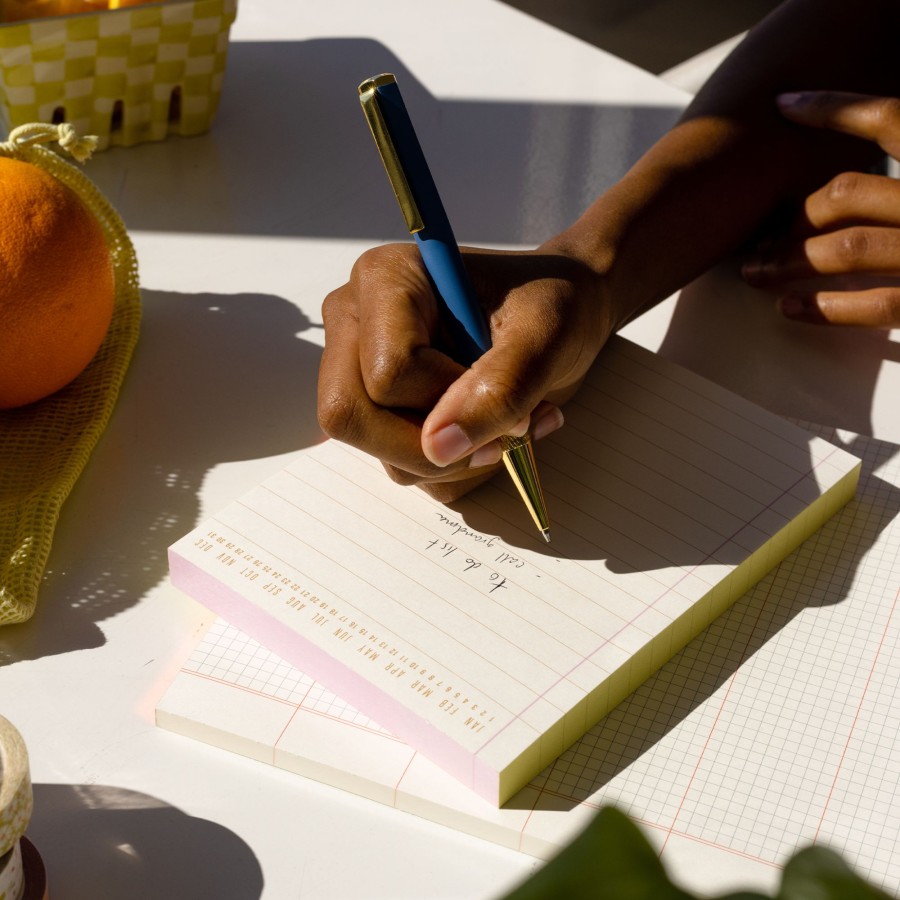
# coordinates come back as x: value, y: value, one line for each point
x: 369, y: 99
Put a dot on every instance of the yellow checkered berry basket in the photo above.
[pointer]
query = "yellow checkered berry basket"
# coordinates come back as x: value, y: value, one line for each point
x: 126, y: 75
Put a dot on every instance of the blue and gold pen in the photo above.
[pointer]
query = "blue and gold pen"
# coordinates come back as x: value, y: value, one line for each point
x: 427, y: 222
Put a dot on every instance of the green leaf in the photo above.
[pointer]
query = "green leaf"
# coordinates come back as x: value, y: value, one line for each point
x: 742, y: 895
x: 817, y: 873
x: 610, y: 860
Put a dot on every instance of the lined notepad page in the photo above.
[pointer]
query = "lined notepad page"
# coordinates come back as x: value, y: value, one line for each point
x: 459, y: 629
x: 775, y: 728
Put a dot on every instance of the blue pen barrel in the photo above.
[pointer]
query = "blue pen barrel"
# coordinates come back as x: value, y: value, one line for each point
x: 465, y: 320
x: 465, y: 324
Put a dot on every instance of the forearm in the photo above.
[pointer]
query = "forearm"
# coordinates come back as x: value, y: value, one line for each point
x: 709, y: 184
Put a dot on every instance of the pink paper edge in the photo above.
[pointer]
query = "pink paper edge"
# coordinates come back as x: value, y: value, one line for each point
x: 279, y: 638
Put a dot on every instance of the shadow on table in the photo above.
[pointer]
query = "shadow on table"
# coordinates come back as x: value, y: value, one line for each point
x: 102, y: 841
x: 215, y: 378
x: 290, y: 154
x: 641, y: 754
x: 826, y: 376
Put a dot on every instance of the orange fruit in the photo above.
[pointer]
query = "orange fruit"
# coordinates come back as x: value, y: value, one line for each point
x: 57, y: 285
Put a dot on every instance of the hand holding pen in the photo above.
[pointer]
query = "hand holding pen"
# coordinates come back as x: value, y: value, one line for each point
x: 467, y: 332
x: 389, y: 386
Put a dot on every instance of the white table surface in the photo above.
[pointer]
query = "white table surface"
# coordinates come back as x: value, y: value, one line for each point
x: 240, y: 234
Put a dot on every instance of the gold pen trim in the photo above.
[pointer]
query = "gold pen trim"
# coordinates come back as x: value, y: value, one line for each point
x: 388, y: 152
x: 518, y: 457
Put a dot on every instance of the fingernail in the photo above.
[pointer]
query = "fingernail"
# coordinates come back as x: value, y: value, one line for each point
x: 447, y: 445
x: 550, y: 420
x: 802, y: 307
x: 791, y: 305
x: 520, y: 428
x: 488, y: 455
x: 760, y: 269
x: 752, y: 268
x: 789, y: 99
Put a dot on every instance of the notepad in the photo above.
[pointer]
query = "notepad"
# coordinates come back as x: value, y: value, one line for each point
x: 458, y: 629
x: 762, y: 735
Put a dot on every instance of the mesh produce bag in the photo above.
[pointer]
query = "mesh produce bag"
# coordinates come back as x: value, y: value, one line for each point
x: 45, y: 445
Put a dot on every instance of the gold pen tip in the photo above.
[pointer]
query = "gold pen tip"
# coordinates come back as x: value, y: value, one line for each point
x: 546, y: 533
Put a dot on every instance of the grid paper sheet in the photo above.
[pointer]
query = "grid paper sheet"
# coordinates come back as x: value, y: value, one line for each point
x: 776, y: 727
x: 465, y: 634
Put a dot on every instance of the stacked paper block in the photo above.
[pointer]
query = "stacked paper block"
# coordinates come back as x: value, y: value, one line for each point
x: 458, y: 629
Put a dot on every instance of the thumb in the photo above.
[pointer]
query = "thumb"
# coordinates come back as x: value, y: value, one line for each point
x: 495, y: 397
